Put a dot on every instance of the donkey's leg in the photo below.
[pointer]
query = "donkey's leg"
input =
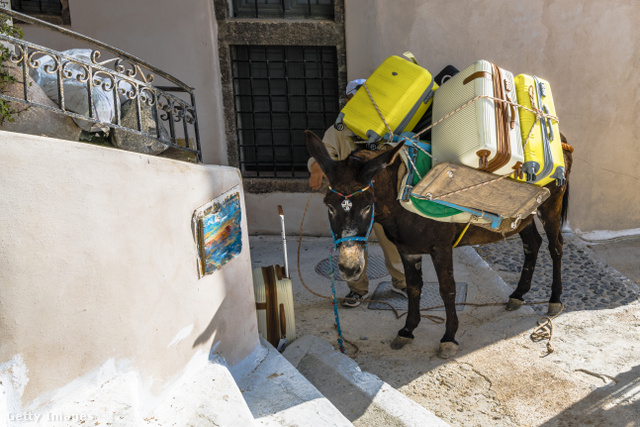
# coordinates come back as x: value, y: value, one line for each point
x: 413, y: 275
x: 550, y: 216
x: 531, y: 242
x: 443, y: 262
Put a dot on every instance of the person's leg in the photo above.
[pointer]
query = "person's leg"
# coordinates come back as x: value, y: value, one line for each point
x: 392, y: 259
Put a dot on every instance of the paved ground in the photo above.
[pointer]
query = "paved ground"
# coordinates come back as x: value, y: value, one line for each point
x: 589, y: 280
x: 500, y: 376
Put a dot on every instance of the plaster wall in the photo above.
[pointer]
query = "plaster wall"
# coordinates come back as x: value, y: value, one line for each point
x: 178, y: 39
x: 587, y: 50
x: 98, y: 261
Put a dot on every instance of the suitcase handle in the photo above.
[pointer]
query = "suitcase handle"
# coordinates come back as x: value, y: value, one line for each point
x: 547, y: 122
x: 411, y: 57
x: 283, y: 322
x: 284, y: 241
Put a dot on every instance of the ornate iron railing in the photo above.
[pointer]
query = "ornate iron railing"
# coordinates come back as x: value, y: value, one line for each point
x: 124, y: 78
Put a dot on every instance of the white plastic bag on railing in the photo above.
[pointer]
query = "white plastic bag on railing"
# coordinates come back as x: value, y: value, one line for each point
x: 76, y: 88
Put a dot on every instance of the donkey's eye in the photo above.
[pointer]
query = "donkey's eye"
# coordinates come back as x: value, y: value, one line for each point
x: 366, y: 211
x: 332, y: 210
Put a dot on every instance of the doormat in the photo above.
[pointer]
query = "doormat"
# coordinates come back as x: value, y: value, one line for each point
x: 430, y: 297
x: 375, y: 268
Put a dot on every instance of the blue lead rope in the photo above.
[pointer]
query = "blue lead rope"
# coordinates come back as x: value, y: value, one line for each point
x: 335, y: 303
x: 336, y: 242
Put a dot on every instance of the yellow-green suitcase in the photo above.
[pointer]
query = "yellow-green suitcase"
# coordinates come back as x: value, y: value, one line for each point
x: 402, y: 91
x: 543, y: 156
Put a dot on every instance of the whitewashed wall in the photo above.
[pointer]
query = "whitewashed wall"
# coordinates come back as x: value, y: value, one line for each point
x: 98, y: 261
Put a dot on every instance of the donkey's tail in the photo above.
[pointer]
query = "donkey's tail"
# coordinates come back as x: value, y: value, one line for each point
x: 567, y: 151
x: 565, y: 206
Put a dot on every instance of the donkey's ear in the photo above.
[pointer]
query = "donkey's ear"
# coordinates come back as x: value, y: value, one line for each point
x: 375, y: 165
x: 317, y: 150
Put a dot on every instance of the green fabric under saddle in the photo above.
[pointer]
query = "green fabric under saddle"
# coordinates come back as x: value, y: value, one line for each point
x: 427, y: 207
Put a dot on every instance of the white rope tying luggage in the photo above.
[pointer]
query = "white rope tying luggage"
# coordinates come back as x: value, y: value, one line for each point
x: 536, y: 111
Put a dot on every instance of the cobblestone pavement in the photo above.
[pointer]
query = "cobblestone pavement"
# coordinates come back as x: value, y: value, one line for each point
x: 589, y: 283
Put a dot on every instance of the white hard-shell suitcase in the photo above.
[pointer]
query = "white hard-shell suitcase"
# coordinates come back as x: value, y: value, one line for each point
x: 484, y: 134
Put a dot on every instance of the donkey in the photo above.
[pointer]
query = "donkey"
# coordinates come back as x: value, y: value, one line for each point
x: 352, y: 183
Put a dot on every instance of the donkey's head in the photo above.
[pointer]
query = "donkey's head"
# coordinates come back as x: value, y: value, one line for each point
x: 350, y: 200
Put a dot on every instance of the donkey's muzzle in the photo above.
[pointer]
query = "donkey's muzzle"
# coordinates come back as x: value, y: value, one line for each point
x: 351, y: 260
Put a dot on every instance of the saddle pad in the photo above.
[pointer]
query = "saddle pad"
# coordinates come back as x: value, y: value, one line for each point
x: 505, y: 197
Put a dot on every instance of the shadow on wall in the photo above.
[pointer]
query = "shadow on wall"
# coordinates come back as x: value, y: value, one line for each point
x: 615, y: 403
x: 229, y: 325
x: 216, y: 328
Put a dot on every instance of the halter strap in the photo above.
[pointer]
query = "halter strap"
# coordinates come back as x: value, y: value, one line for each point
x: 355, y: 192
x: 346, y: 205
x: 364, y: 239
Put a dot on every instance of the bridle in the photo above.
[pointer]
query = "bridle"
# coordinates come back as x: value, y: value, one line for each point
x: 346, y: 206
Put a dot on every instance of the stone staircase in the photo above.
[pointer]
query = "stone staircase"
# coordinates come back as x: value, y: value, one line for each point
x: 309, y: 384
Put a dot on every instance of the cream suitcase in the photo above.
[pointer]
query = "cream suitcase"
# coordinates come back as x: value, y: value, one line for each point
x: 485, y: 134
x: 274, y: 305
x: 274, y: 299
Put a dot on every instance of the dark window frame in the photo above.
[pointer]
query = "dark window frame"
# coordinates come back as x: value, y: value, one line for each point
x: 308, y: 9
x: 288, y: 32
x: 42, y: 9
x: 279, y: 92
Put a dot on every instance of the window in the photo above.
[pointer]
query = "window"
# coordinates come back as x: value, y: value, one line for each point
x: 280, y: 91
x: 54, y: 11
x: 321, y: 9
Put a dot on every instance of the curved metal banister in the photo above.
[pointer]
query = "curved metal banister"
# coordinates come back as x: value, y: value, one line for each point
x: 125, y: 81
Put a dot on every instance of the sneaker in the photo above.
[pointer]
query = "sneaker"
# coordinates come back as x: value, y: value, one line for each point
x: 402, y: 291
x: 353, y: 299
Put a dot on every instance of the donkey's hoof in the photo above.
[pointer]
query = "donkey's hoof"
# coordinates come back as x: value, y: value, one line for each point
x: 447, y: 350
x: 400, y: 342
x: 554, y: 308
x: 514, y: 304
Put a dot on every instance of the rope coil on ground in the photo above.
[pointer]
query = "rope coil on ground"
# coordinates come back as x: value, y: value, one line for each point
x: 544, y: 330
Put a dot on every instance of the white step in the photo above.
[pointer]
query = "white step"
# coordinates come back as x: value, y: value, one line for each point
x: 277, y: 394
x: 362, y: 397
x: 208, y: 397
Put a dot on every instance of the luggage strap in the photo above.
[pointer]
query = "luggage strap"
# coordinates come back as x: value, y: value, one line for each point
x: 271, y: 293
x: 505, y: 114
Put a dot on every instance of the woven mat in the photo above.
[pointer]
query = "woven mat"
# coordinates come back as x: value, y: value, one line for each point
x: 430, y: 297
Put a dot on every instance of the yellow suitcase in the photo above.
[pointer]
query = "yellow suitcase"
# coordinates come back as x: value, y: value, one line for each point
x: 402, y: 91
x: 543, y: 157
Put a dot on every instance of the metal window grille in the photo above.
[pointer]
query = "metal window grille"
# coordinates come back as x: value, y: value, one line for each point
x: 55, y: 11
x: 320, y: 9
x: 280, y: 91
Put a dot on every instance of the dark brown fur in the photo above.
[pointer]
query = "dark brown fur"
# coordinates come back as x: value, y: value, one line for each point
x: 415, y: 235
